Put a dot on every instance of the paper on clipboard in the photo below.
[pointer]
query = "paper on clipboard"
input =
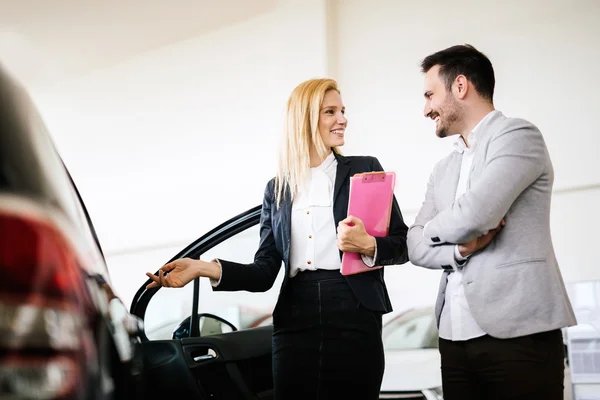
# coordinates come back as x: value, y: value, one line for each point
x: 371, y: 196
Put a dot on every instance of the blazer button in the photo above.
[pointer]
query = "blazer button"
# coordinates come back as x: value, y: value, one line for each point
x: 309, y: 262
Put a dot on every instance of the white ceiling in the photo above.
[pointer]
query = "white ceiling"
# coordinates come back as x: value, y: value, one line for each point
x: 43, y: 41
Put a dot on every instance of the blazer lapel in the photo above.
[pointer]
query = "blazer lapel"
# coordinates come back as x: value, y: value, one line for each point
x: 343, y: 169
x: 285, y: 213
x: 341, y: 190
x: 484, y: 133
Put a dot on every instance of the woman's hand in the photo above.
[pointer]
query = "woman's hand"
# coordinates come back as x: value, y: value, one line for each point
x: 353, y: 238
x: 181, y: 272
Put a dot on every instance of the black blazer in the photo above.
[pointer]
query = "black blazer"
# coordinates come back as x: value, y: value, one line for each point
x: 275, y: 227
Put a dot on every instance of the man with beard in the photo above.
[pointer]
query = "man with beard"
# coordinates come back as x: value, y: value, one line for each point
x: 485, y: 222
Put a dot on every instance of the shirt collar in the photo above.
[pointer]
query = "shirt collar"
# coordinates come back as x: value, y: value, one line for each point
x: 330, y: 159
x: 459, y: 144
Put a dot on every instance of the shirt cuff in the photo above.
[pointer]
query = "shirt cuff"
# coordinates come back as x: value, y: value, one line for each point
x: 458, y: 258
x: 368, y: 260
x: 215, y: 283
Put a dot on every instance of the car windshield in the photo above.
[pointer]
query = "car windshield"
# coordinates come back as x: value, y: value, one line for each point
x: 410, y: 331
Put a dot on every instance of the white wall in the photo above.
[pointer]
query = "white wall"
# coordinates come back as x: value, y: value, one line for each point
x: 544, y: 58
x: 574, y: 220
x: 170, y: 143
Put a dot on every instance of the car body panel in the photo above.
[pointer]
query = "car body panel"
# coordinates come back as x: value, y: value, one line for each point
x: 37, y: 190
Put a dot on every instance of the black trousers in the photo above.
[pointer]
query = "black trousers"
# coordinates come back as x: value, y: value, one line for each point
x: 325, y: 344
x: 524, y: 368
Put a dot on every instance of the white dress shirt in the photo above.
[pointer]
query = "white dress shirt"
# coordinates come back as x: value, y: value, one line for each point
x: 313, y: 235
x: 456, y: 320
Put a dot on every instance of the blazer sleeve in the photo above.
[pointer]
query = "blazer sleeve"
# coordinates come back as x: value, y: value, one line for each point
x: 391, y: 249
x: 419, y: 252
x: 516, y: 158
x: 260, y: 275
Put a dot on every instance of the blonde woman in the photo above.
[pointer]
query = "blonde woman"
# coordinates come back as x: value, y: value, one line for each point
x: 327, y: 327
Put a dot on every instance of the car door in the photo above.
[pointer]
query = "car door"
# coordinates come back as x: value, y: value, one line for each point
x: 214, y: 355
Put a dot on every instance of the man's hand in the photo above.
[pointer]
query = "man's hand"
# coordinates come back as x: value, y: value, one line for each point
x: 353, y: 238
x: 466, y: 249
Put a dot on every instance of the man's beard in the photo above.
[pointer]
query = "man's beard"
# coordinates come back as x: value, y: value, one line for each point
x: 452, y: 114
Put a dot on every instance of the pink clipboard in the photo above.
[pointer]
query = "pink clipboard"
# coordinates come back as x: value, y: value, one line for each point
x: 371, y: 196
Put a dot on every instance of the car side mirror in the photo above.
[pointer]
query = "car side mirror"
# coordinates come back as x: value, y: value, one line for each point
x: 209, y: 324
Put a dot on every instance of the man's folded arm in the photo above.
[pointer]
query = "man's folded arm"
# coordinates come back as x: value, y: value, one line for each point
x: 516, y: 158
x: 420, y: 253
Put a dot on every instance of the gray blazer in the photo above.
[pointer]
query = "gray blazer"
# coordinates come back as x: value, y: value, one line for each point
x: 513, y: 286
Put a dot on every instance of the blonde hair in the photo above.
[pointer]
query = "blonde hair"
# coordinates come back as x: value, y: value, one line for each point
x: 301, y: 132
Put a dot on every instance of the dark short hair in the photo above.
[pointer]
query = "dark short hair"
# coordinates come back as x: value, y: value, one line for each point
x: 464, y: 60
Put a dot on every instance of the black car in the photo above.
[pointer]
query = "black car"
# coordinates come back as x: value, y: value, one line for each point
x: 63, y: 332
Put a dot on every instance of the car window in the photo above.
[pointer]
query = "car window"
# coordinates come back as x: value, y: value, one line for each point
x: 408, y: 334
x: 169, y: 306
x: 166, y: 310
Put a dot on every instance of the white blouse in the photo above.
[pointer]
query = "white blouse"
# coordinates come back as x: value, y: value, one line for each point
x: 313, y: 233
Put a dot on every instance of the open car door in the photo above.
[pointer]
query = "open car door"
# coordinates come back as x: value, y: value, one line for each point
x: 216, y: 354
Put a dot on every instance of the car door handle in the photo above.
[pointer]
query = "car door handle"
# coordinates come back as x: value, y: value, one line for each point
x: 211, y: 355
